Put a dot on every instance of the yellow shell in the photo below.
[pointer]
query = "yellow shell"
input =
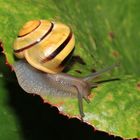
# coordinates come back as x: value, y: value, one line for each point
x: 46, y: 45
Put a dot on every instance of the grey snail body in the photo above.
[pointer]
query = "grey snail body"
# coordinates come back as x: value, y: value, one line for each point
x: 33, y: 74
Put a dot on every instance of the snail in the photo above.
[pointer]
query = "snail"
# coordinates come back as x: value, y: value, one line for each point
x: 44, y: 48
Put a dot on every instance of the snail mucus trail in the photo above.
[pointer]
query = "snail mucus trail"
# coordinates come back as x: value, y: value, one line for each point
x: 44, y: 47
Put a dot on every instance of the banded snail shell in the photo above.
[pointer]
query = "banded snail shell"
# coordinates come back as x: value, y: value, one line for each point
x: 45, y: 45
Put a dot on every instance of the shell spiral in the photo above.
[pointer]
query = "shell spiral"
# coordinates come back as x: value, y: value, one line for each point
x: 45, y: 45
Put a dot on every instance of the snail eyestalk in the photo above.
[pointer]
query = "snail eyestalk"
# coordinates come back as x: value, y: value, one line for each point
x: 90, y: 77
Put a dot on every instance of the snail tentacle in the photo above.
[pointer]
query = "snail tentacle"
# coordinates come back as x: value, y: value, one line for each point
x: 92, y: 76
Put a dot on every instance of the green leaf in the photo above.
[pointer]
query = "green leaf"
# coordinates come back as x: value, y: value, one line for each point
x: 106, y: 32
